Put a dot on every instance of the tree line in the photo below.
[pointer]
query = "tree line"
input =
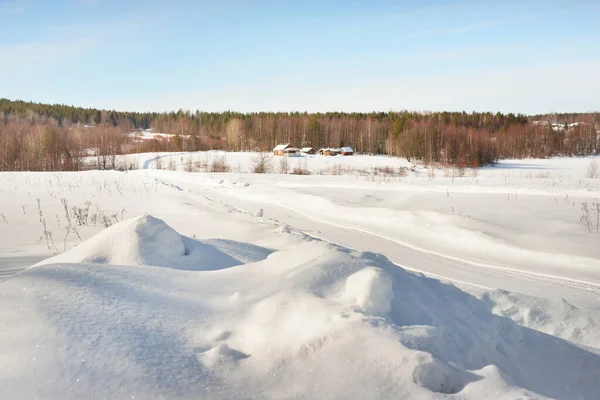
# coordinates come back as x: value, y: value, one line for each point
x: 45, y: 137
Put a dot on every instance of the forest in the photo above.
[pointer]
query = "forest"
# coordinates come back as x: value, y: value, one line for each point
x: 45, y: 137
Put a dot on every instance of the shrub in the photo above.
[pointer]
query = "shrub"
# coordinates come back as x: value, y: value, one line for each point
x: 593, y: 169
x: 284, y: 165
x: 389, y: 171
x: 300, y: 171
x: 158, y: 162
x: 190, y: 166
x: 262, y: 163
x: 219, y: 164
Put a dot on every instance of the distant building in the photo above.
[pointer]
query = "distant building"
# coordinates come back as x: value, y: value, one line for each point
x: 280, y: 148
x: 328, y: 151
x: 289, y: 151
x: 308, y: 150
x: 332, y: 151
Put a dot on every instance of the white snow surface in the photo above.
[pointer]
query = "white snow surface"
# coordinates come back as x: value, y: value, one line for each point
x: 237, y: 285
x: 243, y: 162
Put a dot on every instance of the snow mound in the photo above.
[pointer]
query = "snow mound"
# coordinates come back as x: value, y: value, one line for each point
x: 283, y: 229
x: 221, y: 355
x: 312, y: 320
x: 372, y: 289
x: 149, y: 241
x: 437, y: 376
x: 143, y: 240
x: 556, y: 317
x: 321, y: 302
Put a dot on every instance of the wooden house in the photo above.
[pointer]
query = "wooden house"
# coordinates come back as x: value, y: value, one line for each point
x: 280, y: 148
x: 346, y: 151
x: 291, y: 151
x: 308, y: 150
x: 329, y: 151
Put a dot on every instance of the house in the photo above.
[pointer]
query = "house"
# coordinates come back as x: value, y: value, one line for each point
x: 329, y: 151
x: 308, y: 150
x: 346, y: 151
x: 289, y: 151
x: 280, y: 148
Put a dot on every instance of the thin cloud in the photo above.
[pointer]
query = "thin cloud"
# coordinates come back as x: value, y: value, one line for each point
x: 468, y: 28
x: 64, y: 42
x: 477, y: 26
x: 12, y: 8
x: 29, y: 54
x: 86, y: 2
x: 519, y: 89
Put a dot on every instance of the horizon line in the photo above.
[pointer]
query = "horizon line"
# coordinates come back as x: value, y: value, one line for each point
x: 389, y: 111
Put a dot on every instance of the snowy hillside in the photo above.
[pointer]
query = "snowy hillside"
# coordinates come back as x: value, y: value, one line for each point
x: 170, y: 284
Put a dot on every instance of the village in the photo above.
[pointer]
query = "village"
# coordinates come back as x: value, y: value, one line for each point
x: 289, y: 150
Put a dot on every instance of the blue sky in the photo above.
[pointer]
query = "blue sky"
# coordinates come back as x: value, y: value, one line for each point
x: 510, y: 56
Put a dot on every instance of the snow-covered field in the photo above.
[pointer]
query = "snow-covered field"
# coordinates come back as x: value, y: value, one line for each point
x: 243, y: 162
x: 363, y: 282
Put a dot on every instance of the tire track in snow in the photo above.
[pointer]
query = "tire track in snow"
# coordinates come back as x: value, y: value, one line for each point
x: 590, y: 289
x: 420, y: 249
x: 148, y: 163
x: 586, y: 289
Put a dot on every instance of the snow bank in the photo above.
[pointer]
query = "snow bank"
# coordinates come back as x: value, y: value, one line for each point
x: 418, y: 337
x: 554, y: 317
x: 311, y: 320
x: 143, y: 240
x: 149, y: 241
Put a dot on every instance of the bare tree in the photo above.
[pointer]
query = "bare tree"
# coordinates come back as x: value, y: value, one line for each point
x: 235, y: 134
x: 592, y: 169
x: 283, y: 165
x: 262, y: 163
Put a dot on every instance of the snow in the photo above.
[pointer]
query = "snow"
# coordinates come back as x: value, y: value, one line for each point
x: 558, y: 127
x: 333, y: 149
x: 148, y: 241
x: 281, y: 147
x: 372, y: 290
x: 239, y: 285
x: 143, y: 240
x: 243, y: 162
x: 555, y: 317
x: 149, y: 135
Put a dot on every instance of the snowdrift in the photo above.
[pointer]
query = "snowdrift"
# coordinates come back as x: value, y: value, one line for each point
x: 555, y: 317
x: 312, y: 320
x: 148, y: 241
